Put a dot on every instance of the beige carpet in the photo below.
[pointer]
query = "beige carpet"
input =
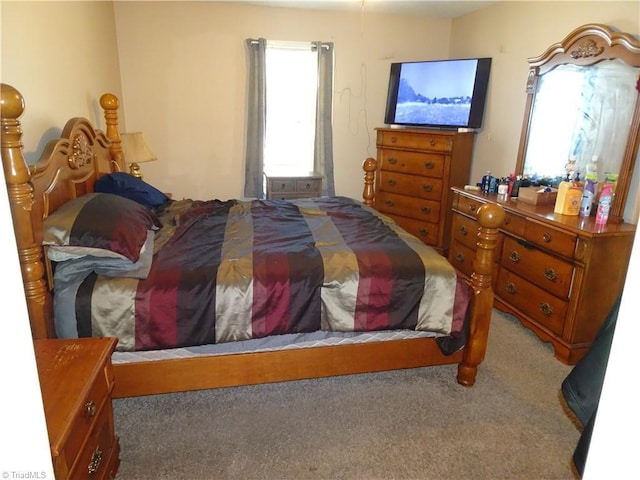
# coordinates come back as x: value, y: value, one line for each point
x: 410, y: 424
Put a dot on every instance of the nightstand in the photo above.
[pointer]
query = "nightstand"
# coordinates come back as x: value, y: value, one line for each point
x: 287, y: 187
x: 76, y: 380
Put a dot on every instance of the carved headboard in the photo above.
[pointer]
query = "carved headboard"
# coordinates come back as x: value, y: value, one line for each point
x: 67, y: 169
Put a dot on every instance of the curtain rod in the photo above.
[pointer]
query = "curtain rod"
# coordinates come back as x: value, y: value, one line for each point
x: 322, y: 44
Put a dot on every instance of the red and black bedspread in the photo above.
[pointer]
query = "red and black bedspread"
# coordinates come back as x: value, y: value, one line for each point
x: 234, y: 270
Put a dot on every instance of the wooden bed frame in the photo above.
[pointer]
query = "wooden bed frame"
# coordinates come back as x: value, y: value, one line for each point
x: 69, y: 167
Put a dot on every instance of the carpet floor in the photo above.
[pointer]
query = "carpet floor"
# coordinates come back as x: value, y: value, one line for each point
x: 407, y: 424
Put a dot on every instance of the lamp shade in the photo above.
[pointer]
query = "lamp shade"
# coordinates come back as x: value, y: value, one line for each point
x: 136, y: 150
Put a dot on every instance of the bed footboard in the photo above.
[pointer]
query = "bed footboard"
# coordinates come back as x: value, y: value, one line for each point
x: 490, y: 218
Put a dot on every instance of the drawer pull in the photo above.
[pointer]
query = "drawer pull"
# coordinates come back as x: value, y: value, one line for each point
x: 507, y: 219
x: 546, y: 309
x: 551, y: 274
x: 427, y: 188
x: 388, y: 203
x: 514, y: 256
x: 393, y: 160
x: 463, y: 230
x: 546, y: 237
x: 283, y: 186
x: 96, y: 459
x: 459, y: 257
x: 432, y: 142
x: 391, y: 182
x: 423, y: 231
x: 308, y: 186
x: 473, y: 208
x: 511, y: 287
x: 426, y: 210
x: 429, y: 165
x: 90, y: 408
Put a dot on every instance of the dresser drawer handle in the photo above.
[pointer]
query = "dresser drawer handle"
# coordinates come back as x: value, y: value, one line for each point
x: 432, y: 142
x: 90, y: 408
x: 514, y: 256
x: 551, y: 274
x: 423, y: 231
x: 546, y: 309
x: 308, y: 186
x: 459, y: 257
x: 463, y: 230
x: 283, y: 186
x: 426, y: 210
x: 393, y: 160
x: 96, y: 459
x: 388, y: 203
x: 473, y: 208
x: 507, y: 219
x: 511, y: 287
x: 429, y: 165
x: 391, y: 182
x: 427, y: 188
x: 546, y: 237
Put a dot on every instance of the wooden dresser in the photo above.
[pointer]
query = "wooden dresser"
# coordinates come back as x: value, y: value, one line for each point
x: 286, y: 187
x: 415, y: 170
x: 558, y: 274
x: 76, y: 379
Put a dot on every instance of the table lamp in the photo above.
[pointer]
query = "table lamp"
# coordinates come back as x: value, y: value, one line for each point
x: 136, y: 151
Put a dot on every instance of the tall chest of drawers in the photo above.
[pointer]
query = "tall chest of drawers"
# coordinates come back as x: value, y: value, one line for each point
x: 558, y: 274
x: 415, y: 170
x: 76, y: 380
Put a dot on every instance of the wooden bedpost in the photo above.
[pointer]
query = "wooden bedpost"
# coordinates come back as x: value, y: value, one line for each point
x: 369, y: 167
x: 490, y: 218
x: 110, y: 104
x: 21, y: 200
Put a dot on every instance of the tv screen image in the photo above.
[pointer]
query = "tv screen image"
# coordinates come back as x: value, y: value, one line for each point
x: 438, y: 93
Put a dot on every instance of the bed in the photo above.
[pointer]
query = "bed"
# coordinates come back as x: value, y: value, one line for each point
x: 72, y: 166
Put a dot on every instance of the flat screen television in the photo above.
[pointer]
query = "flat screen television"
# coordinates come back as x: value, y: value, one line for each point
x: 438, y: 93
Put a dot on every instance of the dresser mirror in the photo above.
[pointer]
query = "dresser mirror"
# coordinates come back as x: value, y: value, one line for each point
x: 583, y: 109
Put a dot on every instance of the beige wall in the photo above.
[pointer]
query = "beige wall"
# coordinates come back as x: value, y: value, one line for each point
x: 61, y: 56
x: 183, y: 78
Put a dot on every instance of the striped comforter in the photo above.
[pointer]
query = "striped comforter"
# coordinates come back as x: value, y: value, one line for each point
x: 235, y: 270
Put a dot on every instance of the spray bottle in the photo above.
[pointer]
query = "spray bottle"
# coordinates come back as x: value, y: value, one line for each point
x: 604, y: 205
x: 587, y: 198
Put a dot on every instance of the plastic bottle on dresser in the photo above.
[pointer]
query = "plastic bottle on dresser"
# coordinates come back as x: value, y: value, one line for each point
x: 587, y: 198
x: 592, y: 169
x: 604, y: 205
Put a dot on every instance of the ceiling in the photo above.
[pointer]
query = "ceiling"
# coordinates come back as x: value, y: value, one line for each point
x: 436, y: 8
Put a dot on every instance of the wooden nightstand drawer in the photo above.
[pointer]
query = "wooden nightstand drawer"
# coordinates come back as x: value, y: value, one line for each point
x: 309, y: 185
x: 92, y: 461
x: 282, y: 185
x: 90, y: 407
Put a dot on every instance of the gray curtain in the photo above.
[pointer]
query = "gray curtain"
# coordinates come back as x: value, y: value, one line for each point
x: 256, y: 118
x: 323, y: 150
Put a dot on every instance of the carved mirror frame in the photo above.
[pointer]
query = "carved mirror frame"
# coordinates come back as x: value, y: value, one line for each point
x: 586, y: 46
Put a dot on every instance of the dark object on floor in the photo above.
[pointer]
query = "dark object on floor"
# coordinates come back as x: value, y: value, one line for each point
x: 582, y: 387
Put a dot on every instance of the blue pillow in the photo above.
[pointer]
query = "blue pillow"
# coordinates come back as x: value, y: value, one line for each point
x: 133, y: 188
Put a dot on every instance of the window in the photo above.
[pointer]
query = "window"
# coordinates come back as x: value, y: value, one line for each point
x: 289, y: 114
x: 292, y: 87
